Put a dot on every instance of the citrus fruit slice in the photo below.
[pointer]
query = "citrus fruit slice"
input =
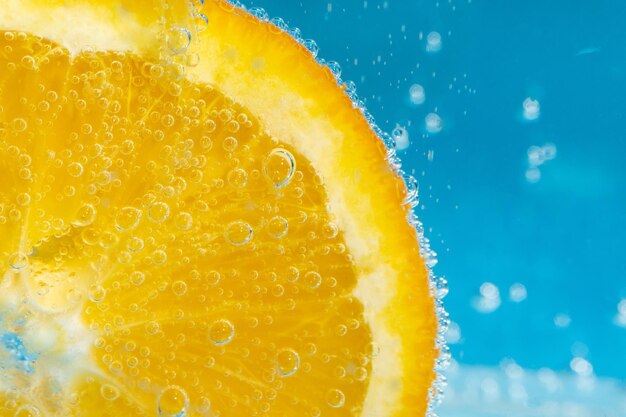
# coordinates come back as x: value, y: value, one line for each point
x: 195, y: 220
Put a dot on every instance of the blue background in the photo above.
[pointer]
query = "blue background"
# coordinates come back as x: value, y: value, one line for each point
x: 564, y: 237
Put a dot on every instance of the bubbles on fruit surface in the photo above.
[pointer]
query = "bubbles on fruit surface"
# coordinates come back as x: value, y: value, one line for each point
x: 312, y: 279
x: 277, y: 226
x: 221, y: 332
x: 287, y: 362
x: 279, y: 167
x: 172, y: 402
x: 109, y: 392
x: 27, y: 411
x: 18, y: 261
x: 159, y: 212
x: 127, y: 218
x: 238, y: 233
x: 335, y: 398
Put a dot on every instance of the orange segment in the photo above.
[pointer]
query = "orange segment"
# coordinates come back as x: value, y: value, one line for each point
x: 196, y: 221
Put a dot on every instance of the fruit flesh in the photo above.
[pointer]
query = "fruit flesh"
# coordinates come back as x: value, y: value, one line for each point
x: 133, y: 157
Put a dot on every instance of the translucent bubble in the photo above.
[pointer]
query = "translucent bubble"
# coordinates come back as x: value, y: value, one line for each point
x: 158, y: 212
x: 19, y: 125
x: 238, y: 233
x: 221, y: 332
x: 152, y: 327
x: 172, y: 402
x: 27, y: 411
x: 277, y: 226
x: 287, y: 362
x: 433, y: 123
x: 135, y: 244
x: 179, y: 288
x: 279, y: 167
x: 433, y: 42
x: 417, y: 94
x: 213, y: 277
x: 517, y: 292
x: 238, y: 178
x: 335, y: 398
x: 532, y: 109
x: 312, y: 279
x: 178, y: 39
x: 127, y: 218
x: 85, y: 216
x: 401, y: 137
x: 109, y: 392
x: 183, y: 221
x: 23, y: 199
x: 18, y: 261
x: 230, y: 144
x: 137, y: 277
x: 96, y: 293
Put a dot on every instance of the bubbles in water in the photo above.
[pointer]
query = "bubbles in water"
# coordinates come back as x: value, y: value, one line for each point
x: 537, y: 156
x: 517, y: 292
x: 27, y: 411
x: 18, y: 261
x: 279, y: 167
x: 531, y: 109
x: 85, y: 216
x: 137, y: 277
x: 238, y: 178
x: 433, y: 123
x: 287, y: 362
x: 335, y: 398
x: 221, y: 332
x: 581, y: 366
x: 109, y: 392
x: 158, y: 212
x: 277, y: 226
x: 417, y: 95
x: 401, y: 137
x: 96, y: 293
x: 178, y: 39
x: 152, y: 327
x: 312, y: 279
x: 127, y: 218
x: 489, y: 299
x: 172, y: 402
x: 433, y: 42
x: 562, y: 320
x: 238, y: 233
x: 183, y: 221
x: 620, y: 317
x: 179, y: 288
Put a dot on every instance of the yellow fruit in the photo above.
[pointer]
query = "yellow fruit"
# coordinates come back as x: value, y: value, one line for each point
x: 195, y: 220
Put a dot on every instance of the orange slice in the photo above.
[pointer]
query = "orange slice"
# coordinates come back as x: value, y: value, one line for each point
x: 197, y: 221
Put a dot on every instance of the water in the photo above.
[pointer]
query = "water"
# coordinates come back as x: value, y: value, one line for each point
x: 510, y: 116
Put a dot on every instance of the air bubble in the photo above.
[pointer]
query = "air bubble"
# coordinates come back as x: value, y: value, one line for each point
x: 85, y: 216
x: 96, y: 293
x: 178, y: 39
x: 152, y: 327
x: 335, y: 398
x: 312, y: 279
x: 137, y: 277
x: 238, y: 233
x: 23, y: 199
x: 277, y: 226
x: 109, y: 392
x: 279, y: 167
x: 127, y: 218
x: 135, y: 244
x: 221, y: 332
x: 287, y: 362
x: 238, y: 178
x: 213, y: 277
x: 330, y: 230
x: 172, y: 402
x: 183, y: 221
x: 158, y: 212
x: 19, y: 124
x: 179, y: 288
x: 18, y: 261
x: 27, y: 411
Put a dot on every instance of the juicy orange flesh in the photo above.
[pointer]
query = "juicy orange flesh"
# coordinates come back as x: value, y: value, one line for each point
x: 195, y: 249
